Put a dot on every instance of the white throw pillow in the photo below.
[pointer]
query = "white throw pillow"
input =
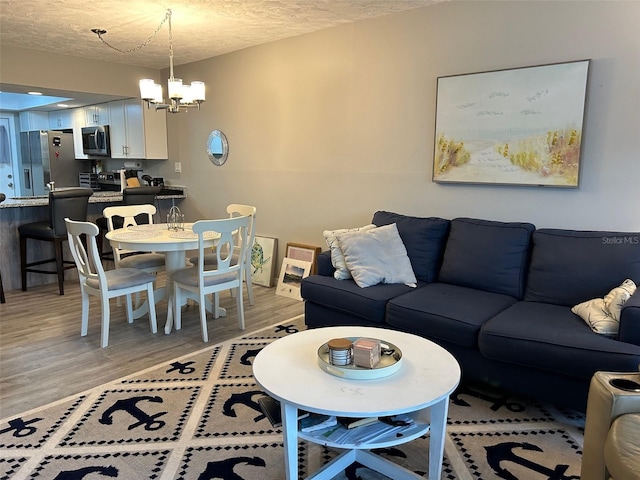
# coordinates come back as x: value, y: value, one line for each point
x: 337, y: 258
x: 377, y: 256
x: 603, y: 314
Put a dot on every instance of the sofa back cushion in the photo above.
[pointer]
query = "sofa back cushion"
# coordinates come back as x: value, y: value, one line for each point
x: 569, y: 267
x: 487, y: 255
x: 424, y: 239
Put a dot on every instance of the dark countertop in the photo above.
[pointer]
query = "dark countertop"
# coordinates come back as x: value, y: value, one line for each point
x: 97, y: 197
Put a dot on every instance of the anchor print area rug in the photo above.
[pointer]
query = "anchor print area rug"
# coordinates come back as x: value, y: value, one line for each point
x: 197, y: 418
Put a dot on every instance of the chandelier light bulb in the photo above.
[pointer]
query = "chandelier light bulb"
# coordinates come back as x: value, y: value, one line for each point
x: 147, y: 89
x: 197, y: 91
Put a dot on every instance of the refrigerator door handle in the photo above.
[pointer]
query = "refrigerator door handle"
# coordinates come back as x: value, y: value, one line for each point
x: 27, y: 178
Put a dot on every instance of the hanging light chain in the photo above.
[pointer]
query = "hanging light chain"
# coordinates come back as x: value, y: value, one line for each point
x: 167, y: 16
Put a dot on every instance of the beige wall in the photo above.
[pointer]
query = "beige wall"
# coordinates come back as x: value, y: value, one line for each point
x: 326, y: 128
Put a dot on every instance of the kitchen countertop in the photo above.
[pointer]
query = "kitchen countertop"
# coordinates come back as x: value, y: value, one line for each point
x: 97, y: 197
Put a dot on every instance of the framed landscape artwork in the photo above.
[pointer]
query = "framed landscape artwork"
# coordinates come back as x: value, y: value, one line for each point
x: 300, y: 251
x: 263, y: 256
x: 521, y: 126
x: 290, y: 279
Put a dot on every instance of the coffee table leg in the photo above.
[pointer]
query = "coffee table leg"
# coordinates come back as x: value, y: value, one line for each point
x: 290, y: 437
x: 437, y: 437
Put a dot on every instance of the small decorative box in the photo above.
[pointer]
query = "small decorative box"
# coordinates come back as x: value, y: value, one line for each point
x: 366, y: 352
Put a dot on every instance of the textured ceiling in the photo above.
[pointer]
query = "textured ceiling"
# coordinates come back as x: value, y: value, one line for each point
x: 201, y: 28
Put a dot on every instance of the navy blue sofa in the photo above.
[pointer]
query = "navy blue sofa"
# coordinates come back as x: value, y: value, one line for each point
x: 498, y: 296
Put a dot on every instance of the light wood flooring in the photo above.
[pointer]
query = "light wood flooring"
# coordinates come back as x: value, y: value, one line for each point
x: 43, y: 358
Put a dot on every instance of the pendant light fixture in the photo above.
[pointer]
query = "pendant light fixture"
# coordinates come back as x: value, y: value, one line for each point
x: 181, y: 96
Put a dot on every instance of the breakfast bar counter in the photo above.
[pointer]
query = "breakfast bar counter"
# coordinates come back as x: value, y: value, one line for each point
x: 16, y: 211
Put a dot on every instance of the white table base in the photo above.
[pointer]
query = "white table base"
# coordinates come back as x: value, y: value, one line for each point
x: 438, y: 413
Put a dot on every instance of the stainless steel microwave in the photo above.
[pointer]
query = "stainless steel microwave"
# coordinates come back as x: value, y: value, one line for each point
x: 95, y: 141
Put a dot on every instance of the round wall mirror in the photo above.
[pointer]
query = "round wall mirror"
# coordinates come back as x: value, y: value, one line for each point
x: 217, y: 147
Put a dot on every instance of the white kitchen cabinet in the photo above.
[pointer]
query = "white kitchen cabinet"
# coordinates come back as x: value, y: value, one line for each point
x: 78, y: 119
x: 96, y: 115
x: 61, y: 119
x: 33, y: 120
x: 137, y: 132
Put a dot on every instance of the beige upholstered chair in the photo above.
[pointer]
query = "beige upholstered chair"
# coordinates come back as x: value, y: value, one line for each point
x: 612, y: 431
x: 94, y: 280
x: 238, y: 210
x: 226, y: 274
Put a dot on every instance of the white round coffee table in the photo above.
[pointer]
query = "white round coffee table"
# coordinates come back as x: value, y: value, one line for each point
x: 288, y: 370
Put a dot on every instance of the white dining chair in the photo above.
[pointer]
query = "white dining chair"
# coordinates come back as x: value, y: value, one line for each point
x: 123, y: 216
x: 238, y: 210
x: 226, y: 274
x: 148, y: 262
x: 94, y: 280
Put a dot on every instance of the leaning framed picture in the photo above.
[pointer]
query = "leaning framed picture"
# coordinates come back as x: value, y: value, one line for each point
x: 290, y: 279
x: 263, y: 257
x: 521, y: 126
x: 300, y: 251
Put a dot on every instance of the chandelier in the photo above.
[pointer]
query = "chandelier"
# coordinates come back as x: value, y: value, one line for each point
x: 180, y: 96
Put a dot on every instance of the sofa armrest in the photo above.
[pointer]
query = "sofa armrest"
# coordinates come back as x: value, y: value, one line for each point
x: 630, y: 320
x: 325, y: 267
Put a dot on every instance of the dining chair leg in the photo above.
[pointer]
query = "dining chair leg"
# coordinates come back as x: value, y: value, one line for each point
x: 129, y: 303
x: 216, y: 305
x: 250, y: 290
x: 105, y: 322
x: 247, y: 279
x: 203, y: 317
x: 240, y: 308
x: 84, y: 325
x: 153, y: 323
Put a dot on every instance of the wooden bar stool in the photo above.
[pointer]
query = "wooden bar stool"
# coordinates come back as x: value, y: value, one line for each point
x: 72, y: 203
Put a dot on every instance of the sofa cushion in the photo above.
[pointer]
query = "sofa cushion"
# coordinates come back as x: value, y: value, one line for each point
x: 345, y: 296
x: 337, y: 257
x: 376, y: 256
x: 552, y: 338
x: 569, y: 267
x: 446, y: 312
x: 487, y: 255
x: 424, y: 239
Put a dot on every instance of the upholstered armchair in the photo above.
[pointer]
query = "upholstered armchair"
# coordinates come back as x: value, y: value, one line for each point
x: 612, y: 431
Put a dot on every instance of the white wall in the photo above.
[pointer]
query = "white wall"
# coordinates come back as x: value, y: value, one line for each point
x: 326, y: 128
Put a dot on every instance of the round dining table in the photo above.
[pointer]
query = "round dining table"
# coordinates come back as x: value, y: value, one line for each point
x: 158, y: 237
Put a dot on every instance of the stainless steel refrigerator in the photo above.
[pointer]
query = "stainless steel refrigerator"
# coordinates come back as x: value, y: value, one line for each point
x: 48, y: 156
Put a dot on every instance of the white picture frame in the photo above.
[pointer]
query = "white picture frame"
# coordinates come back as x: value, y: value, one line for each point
x: 301, y: 251
x: 263, y: 256
x: 290, y: 278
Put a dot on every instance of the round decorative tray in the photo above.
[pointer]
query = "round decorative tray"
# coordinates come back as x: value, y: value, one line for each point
x: 390, y: 363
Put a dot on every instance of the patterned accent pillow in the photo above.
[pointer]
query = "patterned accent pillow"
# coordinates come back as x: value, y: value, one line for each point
x: 337, y: 257
x: 603, y: 314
